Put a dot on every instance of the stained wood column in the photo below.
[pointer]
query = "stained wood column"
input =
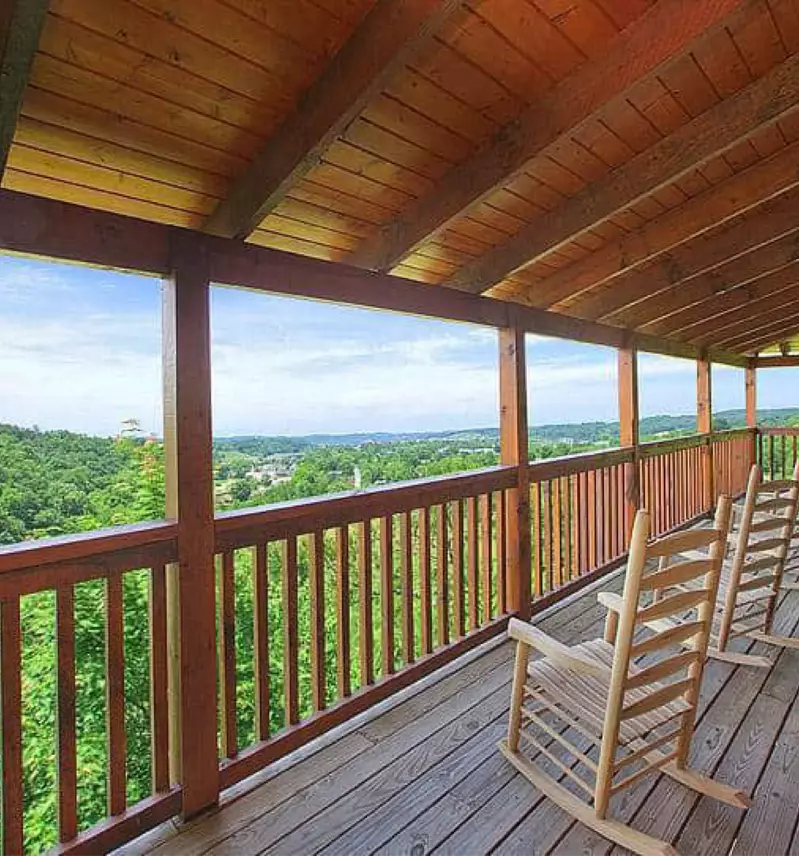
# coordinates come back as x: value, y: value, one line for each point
x: 704, y: 425
x: 190, y: 501
x: 751, y: 410
x: 513, y: 443
x: 628, y: 431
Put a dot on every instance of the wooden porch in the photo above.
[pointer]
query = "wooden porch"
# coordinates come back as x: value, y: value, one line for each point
x: 425, y: 776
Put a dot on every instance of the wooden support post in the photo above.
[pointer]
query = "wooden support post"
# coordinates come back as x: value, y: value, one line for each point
x: 190, y: 500
x: 751, y: 409
x: 704, y: 425
x: 628, y: 432
x: 514, y: 451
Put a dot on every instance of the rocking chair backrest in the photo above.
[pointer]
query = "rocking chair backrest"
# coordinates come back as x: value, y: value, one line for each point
x: 762, y: 533
x: 633, y: 705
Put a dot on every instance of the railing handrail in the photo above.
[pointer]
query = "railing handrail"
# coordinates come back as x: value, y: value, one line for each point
x: 777, y: 430
x: 84, y: 545
x: 566, y: 465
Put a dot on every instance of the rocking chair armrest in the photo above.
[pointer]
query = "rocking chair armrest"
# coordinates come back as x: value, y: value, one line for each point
x: 553, y: 650
x: 611, y: 600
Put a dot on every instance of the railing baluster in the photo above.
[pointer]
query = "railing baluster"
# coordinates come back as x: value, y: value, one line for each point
x: 290, y: 632
x: 592, y: 518
x: 557, y: 534
x: 546, y: 500
x: 366, y: 631
x: 472, y: 562
x: 343, y: 660
x: 406, y: 586
x: 387, y: 595
x: 536, y: 535
x: 502, y: 552
x: 574, y: 535
x: 115, y: 694
x: 317, y: 586
x: 260, y: 581
x: 425, y: 584
x: 159, y: 681
x: 486, y: 506
x: 442, y: 582
x: 458, y: 593
x: 11, y: 700
x: 227, y: 655
x: 67, y: 748
x: 607, y: 544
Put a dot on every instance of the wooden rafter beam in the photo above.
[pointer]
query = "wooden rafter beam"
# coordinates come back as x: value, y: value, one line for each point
x: 757, y: 314
x: 657, y: 37
x: 703, y: 314
x: 736, y: 272
x: 765, y: 335
x: 709, y: 134
x: 36, y: 226
x: 711, y: 266
x: 736, y: 306
x: 20, y: 27
x: 382, y: 45
x: 698, y: 214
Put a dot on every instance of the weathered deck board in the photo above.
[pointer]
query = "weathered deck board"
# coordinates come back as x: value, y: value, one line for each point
x: 425, y: 777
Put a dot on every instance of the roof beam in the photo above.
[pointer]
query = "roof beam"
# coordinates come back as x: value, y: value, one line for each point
x: 776, y: 362
x: 717, y: 129
x: 635, y: 299
x: 730, y: 198
x: 383, y: 43
x: 738, y: 271
x: 657, y: 37
x: 20, y: 27
x: 760, y: 312
x: 763, y: 335
x: 37, y: 226
x: 707, y: 316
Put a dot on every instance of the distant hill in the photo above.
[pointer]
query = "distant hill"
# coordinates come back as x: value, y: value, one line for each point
x: 578, y: 433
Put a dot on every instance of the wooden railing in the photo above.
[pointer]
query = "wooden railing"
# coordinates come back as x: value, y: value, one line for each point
x: 121, y: 576
x: 325, y: 607
x: 369, y: 591
x: 777, y: 451
x: 732, y: 460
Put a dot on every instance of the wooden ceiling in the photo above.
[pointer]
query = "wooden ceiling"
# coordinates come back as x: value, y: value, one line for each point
x: 634, y: 162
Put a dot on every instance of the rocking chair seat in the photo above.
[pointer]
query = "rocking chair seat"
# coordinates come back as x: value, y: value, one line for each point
x: 586, y: 695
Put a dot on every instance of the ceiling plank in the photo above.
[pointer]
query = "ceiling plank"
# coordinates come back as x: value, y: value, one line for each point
x: 703, y: 316
x: 634, y: 299
x: 657, y: 37
x: 696, y: 215
x: 20, y: 27
x: 383, y: 43
x: 722, y: 126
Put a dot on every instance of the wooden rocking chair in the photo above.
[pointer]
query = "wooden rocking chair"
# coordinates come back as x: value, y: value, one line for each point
x: 750, y: 583
x: 591, y: 696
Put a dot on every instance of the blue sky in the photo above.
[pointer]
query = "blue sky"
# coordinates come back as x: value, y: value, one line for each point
x: 80, y: 349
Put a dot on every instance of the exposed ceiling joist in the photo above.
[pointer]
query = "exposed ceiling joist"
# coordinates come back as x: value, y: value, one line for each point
x: 776, y: 362
x: 738, y: 271
x: 20, y: 27
x: 762, y: 336
x: 384, y: 42
x: 756, y: 314
x: 628, y: 300
x: 722, y: 126
x: 720, y: 202
x: 657, y: 37
x: 706, y: 317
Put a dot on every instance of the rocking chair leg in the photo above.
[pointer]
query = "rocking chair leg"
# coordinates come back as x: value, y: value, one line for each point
x: 707, y: 786
x: 617, y: 832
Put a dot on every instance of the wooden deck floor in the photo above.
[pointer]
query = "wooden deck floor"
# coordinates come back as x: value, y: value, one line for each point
x: 425, y: 776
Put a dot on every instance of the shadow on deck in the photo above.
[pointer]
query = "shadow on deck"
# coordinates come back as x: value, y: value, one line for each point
x: 424, y: 776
